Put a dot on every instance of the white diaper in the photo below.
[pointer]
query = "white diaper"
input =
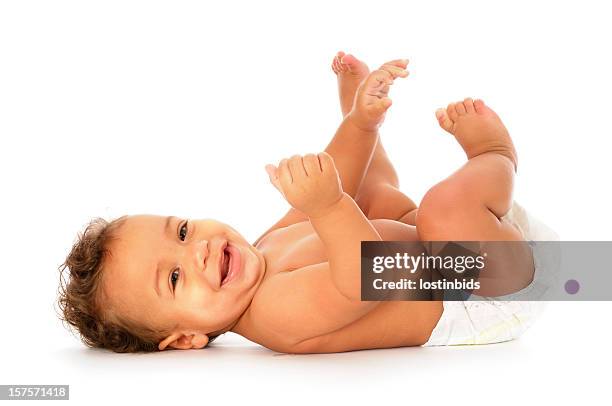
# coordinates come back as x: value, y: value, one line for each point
x: 489, y: 321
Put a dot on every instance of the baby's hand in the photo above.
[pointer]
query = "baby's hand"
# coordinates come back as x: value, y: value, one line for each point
x: 310, y: 184
x: 372, y: 97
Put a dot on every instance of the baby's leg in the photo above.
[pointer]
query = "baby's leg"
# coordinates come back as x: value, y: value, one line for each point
x: 379, y: 195
x: 469, y: 204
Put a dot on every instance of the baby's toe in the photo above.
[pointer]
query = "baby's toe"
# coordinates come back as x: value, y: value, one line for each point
x: 460, y: 108
x: 349, y: 60
x: 468, y: 103
x: 479, y: 106
x: 337, y: 66
x: 452, y: 112
x: 354, y: 65
x: 394, y: 71
x: 378, y: 78
x: 400, y: 63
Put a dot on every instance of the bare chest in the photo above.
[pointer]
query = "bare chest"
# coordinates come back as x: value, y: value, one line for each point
x: 292, y: 247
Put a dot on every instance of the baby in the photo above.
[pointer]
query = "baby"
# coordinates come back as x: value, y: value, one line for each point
x: 146, y: 282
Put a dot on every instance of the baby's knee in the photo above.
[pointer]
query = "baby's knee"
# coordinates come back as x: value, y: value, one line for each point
x: 448, y: 196
x: 442, y: 207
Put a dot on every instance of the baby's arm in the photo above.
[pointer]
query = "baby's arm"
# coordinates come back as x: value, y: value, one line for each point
x: 342, y: 229
x: 301, y: 306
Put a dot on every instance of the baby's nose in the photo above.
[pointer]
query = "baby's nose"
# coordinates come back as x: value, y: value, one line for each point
x: 201, y: 249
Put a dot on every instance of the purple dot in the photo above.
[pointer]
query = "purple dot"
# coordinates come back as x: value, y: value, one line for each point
x: 572, y: 286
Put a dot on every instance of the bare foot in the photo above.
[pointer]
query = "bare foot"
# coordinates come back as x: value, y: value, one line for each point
x: 477, y: 128
x: 372, y: 97
x: 350, y: 72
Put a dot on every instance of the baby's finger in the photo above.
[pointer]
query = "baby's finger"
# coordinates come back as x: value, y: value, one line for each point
x: 273, y: 175
x: 296, y: 166
x: 272, y: 172
x: 311, y: 164
x: 284, y: 175
x: 327, y: 162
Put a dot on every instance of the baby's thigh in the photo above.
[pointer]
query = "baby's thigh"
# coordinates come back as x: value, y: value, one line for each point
x: 469, y: 205
x: 384, y: 201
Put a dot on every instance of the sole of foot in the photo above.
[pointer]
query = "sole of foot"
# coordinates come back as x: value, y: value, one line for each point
x: 477, y: 128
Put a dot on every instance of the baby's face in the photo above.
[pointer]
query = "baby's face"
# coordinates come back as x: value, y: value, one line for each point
x: 167, y: 271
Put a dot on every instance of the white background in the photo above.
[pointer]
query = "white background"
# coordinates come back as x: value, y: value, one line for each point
x: 118, y: 107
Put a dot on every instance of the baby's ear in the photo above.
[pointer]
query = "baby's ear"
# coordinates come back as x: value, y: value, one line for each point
x: 181, y: 341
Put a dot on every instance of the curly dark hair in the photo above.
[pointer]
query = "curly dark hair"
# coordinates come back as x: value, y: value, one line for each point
x: 80, y: 296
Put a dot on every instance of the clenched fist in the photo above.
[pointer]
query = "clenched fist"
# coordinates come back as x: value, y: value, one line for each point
x: 310, y: 183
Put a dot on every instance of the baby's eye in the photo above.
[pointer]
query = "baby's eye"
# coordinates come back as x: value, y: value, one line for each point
x: 183, y: 231
x: 174, y: 277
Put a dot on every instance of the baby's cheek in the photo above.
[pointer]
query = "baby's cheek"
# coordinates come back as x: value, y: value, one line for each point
x: 235, y: 235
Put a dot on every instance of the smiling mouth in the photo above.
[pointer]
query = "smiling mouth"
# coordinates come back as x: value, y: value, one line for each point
x: 225, y: 265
